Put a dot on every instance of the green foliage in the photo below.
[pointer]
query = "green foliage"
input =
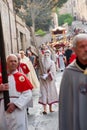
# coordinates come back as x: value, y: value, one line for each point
x: 40, y: 32
x: 41, y: 22
x: 28, y: 20
x: 61, y: 2
x: 17, y: 3
x: 68, y: 20
x: 65, y: 18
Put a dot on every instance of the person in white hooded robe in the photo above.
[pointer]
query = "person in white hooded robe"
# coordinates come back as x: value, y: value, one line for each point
x: 32, y: 74
x: 48, y: 92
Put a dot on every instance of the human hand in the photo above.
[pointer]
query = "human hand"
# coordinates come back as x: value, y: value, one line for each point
x: 11, y: 107
x: 44, y: 76
x: 4, y: 87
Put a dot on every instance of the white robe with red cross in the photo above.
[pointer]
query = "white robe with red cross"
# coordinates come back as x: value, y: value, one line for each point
x: 20, y: 94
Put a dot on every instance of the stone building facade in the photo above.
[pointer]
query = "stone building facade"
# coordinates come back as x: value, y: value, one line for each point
x: 15, y: 32
x: 8, y: 24
x: 23, y: 34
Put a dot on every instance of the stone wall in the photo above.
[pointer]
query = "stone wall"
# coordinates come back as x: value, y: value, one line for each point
x: 23, y: 34
x: 8, y: 23
x: 67, y: 8
x: 40, y: 40
x: 82, y: 9
x: 78, y: 9
x: 16, y: 34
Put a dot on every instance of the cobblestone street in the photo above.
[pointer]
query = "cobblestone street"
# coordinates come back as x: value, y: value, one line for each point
x: 38, y: 121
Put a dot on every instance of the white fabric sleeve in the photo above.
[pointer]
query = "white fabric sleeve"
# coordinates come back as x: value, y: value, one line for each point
x: 24, y: 99
x: 52, y: 71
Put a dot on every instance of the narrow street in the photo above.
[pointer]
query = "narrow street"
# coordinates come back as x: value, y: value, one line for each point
x: 80, y: 25
x: 38, y: 121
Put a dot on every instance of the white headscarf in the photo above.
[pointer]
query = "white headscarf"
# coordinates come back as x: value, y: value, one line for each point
x: 47, y: 59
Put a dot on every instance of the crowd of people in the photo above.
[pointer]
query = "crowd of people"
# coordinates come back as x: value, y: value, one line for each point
x: 23, y: 77
x: 28, y: 71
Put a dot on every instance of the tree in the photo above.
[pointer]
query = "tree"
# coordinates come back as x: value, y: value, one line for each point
x: 35, y: 12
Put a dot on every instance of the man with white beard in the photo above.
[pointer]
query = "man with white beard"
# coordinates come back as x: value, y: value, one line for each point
x: 48, y: 92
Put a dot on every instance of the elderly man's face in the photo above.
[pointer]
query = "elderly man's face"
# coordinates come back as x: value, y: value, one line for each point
x: 12, y: 63
x: 81, y: 51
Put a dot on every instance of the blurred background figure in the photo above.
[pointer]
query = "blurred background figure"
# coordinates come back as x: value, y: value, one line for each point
x: 32, y: 75
x: 61, y: 59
